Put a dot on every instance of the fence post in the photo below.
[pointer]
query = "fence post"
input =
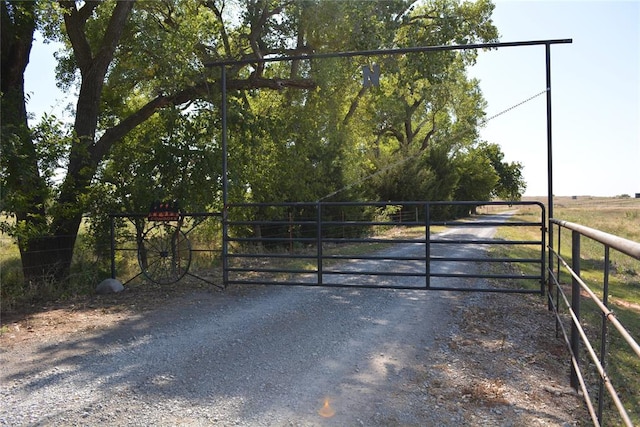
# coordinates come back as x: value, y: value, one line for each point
x: 319, y: 241
x: 558, y: 279
x: 575, y: 305
x: 427, y: 244
x: 603, y: 332
x: 543, y: 266
x: 113, y: 247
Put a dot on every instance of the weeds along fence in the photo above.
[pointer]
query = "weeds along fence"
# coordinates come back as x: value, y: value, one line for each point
x: 98, y: 253
x: 89, y: 265
x: 165, y: 250
x: 605, y: 357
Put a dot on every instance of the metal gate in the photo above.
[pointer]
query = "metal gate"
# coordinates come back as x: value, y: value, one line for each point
x: 398, y: 245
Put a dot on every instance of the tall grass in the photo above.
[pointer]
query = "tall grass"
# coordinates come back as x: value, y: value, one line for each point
x: 89, y: 266
x: 92, y: 264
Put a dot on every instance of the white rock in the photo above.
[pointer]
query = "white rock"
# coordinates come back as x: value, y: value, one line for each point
x: 109, y: 286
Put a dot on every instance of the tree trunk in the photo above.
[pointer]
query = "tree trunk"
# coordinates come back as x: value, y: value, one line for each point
x: 47, y: 247
x: 55, y: 253
x: 24, y: 191
x: 47, y: 250
x: 46, y: 259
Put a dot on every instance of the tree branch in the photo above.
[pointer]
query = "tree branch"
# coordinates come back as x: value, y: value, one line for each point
x: 200, y: 91
x: 427, y: 138
x: 354, y: 105
x: 75, y: 20
x: 114, y: 32
x: 223, y: 31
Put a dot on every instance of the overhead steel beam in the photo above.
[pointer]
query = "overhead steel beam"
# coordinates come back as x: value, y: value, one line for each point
x: 382, y: 52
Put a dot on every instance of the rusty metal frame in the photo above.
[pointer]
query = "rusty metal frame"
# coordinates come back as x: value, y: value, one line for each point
x: 196, y: 217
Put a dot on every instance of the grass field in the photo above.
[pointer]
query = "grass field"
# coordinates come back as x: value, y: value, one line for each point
x: 620, y: 217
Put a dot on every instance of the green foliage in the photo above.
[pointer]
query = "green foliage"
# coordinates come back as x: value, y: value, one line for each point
x: 148, y: 120
x: 166, y: 158
x: 425, y: 115
x: 387, y: 212
x: 477, y: 180
x: 511, y: 184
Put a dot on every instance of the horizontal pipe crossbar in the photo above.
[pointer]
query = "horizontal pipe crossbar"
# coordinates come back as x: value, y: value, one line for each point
x: 626, y: 246
x: 306, y: 232
x: 398, y: 287
x: 382, y: 52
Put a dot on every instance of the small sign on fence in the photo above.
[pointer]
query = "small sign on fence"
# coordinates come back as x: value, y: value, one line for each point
x: 164, y: 211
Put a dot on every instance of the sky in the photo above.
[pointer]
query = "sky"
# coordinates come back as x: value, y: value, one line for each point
x: 595, y: 92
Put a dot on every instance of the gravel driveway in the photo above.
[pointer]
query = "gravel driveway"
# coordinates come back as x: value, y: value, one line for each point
x: 275, y: 356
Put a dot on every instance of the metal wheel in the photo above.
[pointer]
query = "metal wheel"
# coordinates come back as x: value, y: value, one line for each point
x: 164, y: 254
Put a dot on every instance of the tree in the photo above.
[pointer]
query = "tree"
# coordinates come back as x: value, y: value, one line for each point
x: 116, y: 52
x: 477, y: 180
x: 168, y: 157
x: 24, y: 190
x: 427, y: 101
x: 511, y: 184
x: 138, y: 71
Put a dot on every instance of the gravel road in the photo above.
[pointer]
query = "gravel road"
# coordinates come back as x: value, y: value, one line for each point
x: 253, y: 356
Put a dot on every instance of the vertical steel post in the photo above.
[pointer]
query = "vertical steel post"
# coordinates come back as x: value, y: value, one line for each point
x: 319, y: 241
x: 225, y: 180
x: 543, y: 235
x: 113, y: 248
x: 549, y: 165
x: 603, y: 332
x: 559, y: 253
x: 575, y: 305
x: 291, y: 232
x: 558, y: 279
x: 427, y: 225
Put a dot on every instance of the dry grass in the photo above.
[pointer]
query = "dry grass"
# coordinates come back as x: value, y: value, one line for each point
x: 620, y: 217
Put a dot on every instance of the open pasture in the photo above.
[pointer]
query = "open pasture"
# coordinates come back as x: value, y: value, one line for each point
x: 619, y: 216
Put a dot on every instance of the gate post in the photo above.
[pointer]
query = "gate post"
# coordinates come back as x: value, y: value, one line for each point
x: 225, y: 179
x: 113, y: 247
x: 319, y: 241
x: 575, y: 306
x: 427, y: 243
x: 543, y: 266
x: 549, y: 166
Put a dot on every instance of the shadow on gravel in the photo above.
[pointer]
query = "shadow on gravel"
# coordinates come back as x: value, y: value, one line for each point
x: 269, y: 356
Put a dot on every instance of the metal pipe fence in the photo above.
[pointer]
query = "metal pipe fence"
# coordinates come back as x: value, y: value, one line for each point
x: 165, y: 248
x: 577, y: 339
x: 350, y: 244
x: 10, y: 255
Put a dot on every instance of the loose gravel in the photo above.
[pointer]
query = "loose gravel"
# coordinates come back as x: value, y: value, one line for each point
x: 276, y: 356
